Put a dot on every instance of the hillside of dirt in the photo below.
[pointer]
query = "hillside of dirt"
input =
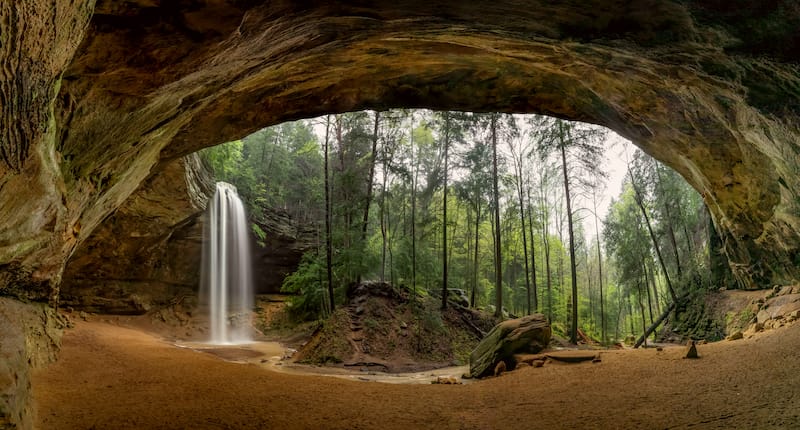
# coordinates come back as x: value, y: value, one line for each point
x: 382, y: 328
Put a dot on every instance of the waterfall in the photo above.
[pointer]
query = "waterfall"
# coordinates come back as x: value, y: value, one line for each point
x: 226, y: 281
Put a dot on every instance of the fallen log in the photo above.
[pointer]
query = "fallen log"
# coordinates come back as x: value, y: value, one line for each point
x: 653, y: 326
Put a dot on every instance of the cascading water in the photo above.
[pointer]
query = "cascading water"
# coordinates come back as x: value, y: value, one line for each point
x: 226, y: 287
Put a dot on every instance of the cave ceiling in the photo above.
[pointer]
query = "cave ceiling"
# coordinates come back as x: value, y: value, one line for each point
x: 99, y: 96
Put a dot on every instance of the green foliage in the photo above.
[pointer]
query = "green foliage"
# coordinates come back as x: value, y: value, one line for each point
x: 281, y: 168
x: 260, y: 234
x: 275, y: 168
x: 309, y: 294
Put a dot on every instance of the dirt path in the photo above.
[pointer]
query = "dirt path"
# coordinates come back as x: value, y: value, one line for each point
x: 109, y: 377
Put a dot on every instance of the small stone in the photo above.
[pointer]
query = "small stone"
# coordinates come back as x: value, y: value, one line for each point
x: 736, y: 335
x: 659, y: 349
x: 83, y: 316
x: 538, y: 363
x: 359, y: 310
x: 403, y: 325
x: 446, y: 380
x: 691, y: 350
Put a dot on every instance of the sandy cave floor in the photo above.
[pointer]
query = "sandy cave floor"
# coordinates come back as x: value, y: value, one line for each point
x: 112, y: 377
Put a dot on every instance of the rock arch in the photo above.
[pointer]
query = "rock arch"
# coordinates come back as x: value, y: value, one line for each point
x: 97, y: 97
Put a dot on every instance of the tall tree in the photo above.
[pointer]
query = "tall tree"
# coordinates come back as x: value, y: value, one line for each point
x: 603, y: 337
x: 328, y: 236
x: 496, y: 199
x: 370, y: 180
x: 446, y: 144
x: 640, y: 203
x: 563, y: 146
x: 517, y: 153
x: 582, y: 144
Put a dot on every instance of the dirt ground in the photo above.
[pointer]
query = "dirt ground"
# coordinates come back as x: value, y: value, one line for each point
x: 112, y: 377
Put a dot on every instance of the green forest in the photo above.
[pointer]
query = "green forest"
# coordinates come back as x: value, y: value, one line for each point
x: 502, y: 207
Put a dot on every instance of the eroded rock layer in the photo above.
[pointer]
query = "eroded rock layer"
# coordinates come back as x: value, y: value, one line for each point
x: 98, y: 96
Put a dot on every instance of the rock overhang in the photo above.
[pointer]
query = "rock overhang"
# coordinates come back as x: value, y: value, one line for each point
x: 695, y: 84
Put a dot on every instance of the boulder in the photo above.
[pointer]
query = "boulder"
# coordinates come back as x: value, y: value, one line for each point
x: 458, y: 296
x: 529, y: 334
x: 736, y: 335
x: 31, y: 336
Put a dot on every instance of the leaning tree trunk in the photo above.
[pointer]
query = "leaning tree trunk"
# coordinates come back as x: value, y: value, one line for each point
x: 640, y: 203
x: 655, y: 325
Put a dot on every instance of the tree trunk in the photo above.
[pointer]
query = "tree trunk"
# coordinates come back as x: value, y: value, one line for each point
x: 533, y: 253
x: 574, y: 328
x: 444, y: 210
x: 652, y: 270
x: 640, y: 203
x: 524, y: 234
x: 647, y: 288
x: 413, y: 218
x: 670, y: 230
x: 383, y: 216
x: 477, y: 250
x: 655, y: 325
x: 641, y: 310
x: 600, y: 275
x: 498, y: 258
x: 631, y: 316
x: 328, y: 236
x: 368, y: 200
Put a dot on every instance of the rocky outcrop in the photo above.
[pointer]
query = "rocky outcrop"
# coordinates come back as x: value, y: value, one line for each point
x: 780, y: 307
x: 148, y: 253
x: 279, y: 253
x: 529, y: 334
x: 30, y: 335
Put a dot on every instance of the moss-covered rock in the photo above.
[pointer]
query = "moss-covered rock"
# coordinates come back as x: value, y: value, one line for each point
x: 529, y: 334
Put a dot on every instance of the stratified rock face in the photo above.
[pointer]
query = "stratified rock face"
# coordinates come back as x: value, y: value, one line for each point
x: 283, y: 247
x: 148, y: 253
x: 94, y: 101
